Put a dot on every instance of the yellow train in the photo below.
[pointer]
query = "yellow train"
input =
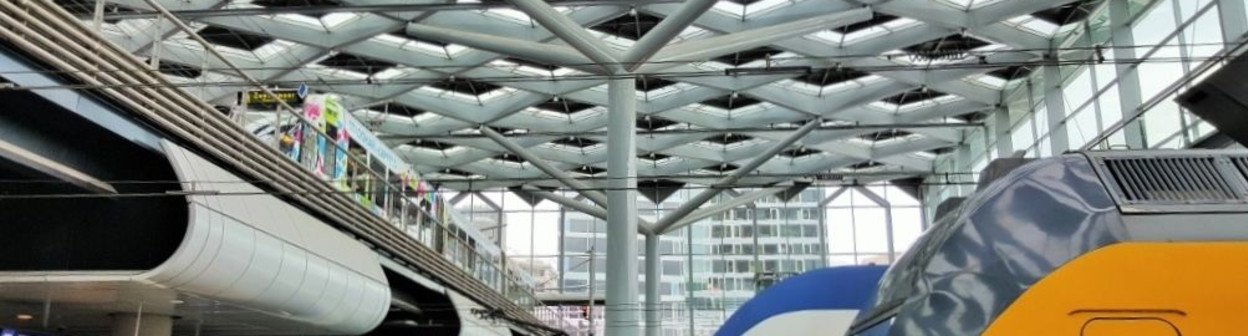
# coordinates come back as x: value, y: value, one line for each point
x: 1139, y: 243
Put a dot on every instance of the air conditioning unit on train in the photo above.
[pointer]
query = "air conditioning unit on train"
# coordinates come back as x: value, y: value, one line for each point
x: 1206, y: 191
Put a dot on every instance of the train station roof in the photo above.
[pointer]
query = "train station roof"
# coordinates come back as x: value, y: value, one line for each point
x: 896, y: 85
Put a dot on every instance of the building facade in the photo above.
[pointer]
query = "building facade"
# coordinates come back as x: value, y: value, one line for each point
x: 711, y: 267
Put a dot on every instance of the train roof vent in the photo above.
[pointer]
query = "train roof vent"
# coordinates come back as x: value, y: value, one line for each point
x: 1188, y: 181
x: 1170, y: 180
x: 1241, y: 163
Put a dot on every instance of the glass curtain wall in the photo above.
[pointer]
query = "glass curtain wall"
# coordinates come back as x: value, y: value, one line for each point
x: 1134, y: 67
x: 711, y: 267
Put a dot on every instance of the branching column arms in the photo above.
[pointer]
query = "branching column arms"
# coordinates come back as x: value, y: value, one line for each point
x: 707, y: 48
x: 688, y: 207
x: 572, y: 33
x: 584, y: 189
x: 664, y: 32
x: 537, y: 51
x: 701, y: 214
x: 643, y: 226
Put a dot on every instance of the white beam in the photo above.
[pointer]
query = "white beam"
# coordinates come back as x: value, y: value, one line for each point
x: 726, y: 44
x: 537, y: 51
x: 56, y: 169
x: 540, y: 163
x: 723, y: 206
x: 571, y: 32
x: 663, y: 33
x: 643, y: 226
x: 689, y: 206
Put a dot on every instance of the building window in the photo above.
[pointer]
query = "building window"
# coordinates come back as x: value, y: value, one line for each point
x: 790, y: 231
x: 741, y: 213
x: 743, y: 266
x: 766, y: 231
x: 672, y: 267
x: 809, y: 195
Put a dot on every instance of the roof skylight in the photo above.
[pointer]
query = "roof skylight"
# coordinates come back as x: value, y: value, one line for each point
x: 747, y: 8
x: 843, y: 36
x: 457, y: 87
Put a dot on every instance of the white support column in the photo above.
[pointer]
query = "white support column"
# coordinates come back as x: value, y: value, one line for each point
x: 1128, y: 74
x: 888, y: 219
x: 563, y: 255
x: 1055, y: 105
x: 654, y: 271
x: 621, y: 301
x: 924, y: 221
x: 1005, y: 141
x: 97, y: 20
x: 154, y: 54
x: 962, y: 163
x: 823, y: 222
x: 1234, y: 20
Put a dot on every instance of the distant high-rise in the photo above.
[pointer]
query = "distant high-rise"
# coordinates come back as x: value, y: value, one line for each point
x: 714, y: 265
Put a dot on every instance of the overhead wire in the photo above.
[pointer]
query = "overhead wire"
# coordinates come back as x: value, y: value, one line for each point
x: 183, y: 193
x: 814, y: 175
x: 592, y: 77
x: 697, y: 130
x: 775, y: 59
x: 373, y: 81
x: 594, y: 178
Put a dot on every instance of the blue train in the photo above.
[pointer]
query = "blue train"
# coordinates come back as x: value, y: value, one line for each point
x: 818, y: 302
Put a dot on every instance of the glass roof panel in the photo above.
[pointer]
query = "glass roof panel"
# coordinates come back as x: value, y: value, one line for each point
x: 507, y: 90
